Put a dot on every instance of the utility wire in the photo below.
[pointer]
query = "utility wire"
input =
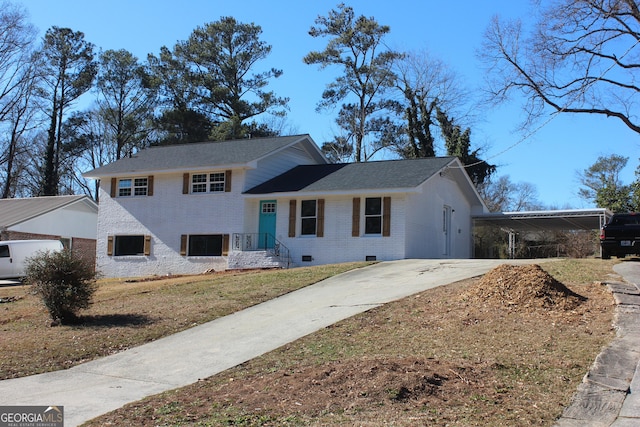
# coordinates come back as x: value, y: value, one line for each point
x: 553, y: 116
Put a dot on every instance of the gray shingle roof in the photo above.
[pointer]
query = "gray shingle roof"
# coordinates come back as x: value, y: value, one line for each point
x: 196, y: 155
x: 390, y: 174
x: 16, y: 211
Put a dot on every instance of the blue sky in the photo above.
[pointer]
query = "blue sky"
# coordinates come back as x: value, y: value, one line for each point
x: 451, y: 31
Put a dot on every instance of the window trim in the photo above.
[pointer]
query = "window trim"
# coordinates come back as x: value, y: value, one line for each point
x: 308, y: 218
x: 185, y: 244
x: 355, y: 217
x: 377, y: 215
x: 294, y: 214
x: 359, y: 214
x: 268, y: 207
x: 292, y: 218
x: 222, y: 182
x: 142, y: 190
x: 112, y: 246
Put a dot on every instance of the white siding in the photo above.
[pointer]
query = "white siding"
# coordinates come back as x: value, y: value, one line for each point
x: 76, y: 220
x: 273, y: 166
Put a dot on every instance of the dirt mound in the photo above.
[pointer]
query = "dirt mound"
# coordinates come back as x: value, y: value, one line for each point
x: 522, y: 287
x: 349, y: 385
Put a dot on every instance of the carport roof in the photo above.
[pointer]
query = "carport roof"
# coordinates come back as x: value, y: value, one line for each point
x: 572, y: 219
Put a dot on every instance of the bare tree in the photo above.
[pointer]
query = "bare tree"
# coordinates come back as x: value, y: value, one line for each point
x: 426, y: 83
x: 17, y: 38
x: 502, y: 195
x: 16, y: 43
x: 582, y: 56
x: 30, y: 165
x: 18, y: 121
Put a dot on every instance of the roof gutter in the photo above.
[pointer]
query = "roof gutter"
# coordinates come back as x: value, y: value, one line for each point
x: 316, y: 194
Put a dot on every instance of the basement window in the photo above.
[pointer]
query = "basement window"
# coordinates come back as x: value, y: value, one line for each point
x: 205, y: 245
x: 129, y: 245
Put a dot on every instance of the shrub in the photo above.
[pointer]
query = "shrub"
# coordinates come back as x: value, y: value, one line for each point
x: 65, y: 282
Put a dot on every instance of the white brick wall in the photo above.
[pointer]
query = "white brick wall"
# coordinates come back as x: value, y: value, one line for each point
x: 253, y: 259
x: 166, y: 216
x: 424, y: 230
x: 416, y: 226
x: 337, y: 245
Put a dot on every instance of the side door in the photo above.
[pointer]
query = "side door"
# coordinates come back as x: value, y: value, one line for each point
x: 267, y: 224
x: 446, y: 230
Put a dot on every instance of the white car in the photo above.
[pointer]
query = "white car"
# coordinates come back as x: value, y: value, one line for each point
x: 14, y: 253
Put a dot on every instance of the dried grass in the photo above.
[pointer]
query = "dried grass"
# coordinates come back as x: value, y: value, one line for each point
x: 508, y: 349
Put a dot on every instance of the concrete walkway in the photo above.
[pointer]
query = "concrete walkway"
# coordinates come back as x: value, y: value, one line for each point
x: 610, y: 392
x: 97, y: 387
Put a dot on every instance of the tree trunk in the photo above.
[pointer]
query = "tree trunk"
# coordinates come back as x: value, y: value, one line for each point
x: 50, y: 181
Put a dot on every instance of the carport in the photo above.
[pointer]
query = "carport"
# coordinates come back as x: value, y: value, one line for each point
x: 552, y: 220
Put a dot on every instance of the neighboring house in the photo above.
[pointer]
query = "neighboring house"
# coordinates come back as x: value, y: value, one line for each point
x: 190, y: 208
x: 70, y: 219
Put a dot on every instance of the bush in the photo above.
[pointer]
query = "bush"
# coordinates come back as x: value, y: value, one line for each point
x: 65, y: 282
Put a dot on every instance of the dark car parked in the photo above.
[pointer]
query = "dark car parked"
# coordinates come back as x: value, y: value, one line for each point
x: 621, y: 236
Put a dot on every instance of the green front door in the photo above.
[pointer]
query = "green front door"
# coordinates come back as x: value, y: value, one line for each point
x: 267, y: 224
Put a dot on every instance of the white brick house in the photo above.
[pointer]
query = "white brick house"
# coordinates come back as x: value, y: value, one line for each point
x: 185, y: 209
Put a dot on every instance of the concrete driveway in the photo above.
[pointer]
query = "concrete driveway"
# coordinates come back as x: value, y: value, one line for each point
x: 97, y: 387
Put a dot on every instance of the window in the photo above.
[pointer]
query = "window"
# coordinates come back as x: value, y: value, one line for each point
x: 129, y: 187
x: 4, y: 251
x: 377, y: 216
x: 66, y: 242
x: 311, y: 218
x: 205, y: 245
x: 373, y: 215
x: 133, y: 186
x: 208, y: 182
x: 268, y: 207
x: 308, y: 217
x: 124, y: 187
x: 129, y: 245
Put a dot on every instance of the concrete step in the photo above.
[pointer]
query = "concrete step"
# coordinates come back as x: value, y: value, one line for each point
x: 254, y: 259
